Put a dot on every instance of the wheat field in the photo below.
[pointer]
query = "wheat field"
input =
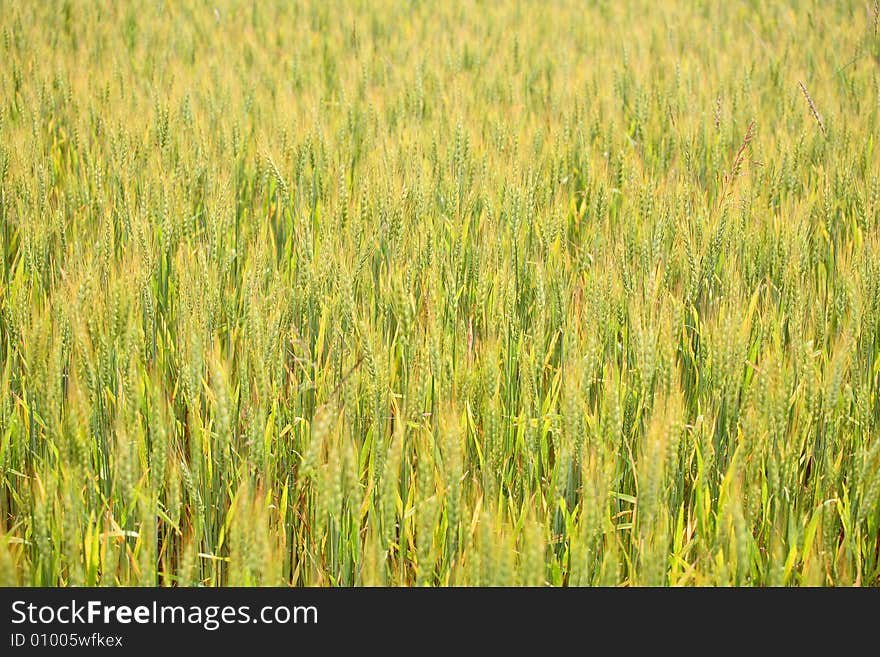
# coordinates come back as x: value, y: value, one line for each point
x: 439, y: 294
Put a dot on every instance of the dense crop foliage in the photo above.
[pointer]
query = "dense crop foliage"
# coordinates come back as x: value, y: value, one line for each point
x: 439, y: 293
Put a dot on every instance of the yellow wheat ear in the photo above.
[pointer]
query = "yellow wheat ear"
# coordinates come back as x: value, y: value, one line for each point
x: 813, y: 109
